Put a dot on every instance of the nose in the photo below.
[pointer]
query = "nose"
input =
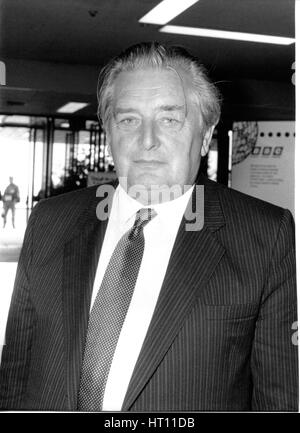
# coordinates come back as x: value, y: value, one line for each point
x: 148, y: 135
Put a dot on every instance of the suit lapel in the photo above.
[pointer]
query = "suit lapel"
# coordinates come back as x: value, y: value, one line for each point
x: 194, y: 258
x: 81, y: 254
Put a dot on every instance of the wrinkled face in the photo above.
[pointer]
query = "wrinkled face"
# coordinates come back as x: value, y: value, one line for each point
x: 155, y: 132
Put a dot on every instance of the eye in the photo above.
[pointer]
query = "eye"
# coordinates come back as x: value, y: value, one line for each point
x: 127, y: 122
x: 170, y: 122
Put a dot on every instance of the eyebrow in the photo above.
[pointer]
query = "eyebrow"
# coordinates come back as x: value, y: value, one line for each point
x: 175, y: 107
x: 120, y: 110
x: 172, y: 107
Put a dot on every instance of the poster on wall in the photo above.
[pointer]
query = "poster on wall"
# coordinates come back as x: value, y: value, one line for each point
x: 263, y: 156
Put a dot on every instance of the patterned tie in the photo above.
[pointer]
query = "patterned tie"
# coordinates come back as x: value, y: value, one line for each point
x: 109, y: 311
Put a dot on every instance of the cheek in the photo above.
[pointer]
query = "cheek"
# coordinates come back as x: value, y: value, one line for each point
x: 185, y: 152
x: 120, y: 144
x: 182, y: 145
x: 125, y: 139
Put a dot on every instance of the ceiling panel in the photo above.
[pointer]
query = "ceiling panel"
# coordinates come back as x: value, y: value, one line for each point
x: 274, y: 17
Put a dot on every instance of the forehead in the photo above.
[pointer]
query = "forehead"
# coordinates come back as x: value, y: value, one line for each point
x: 150, y: 84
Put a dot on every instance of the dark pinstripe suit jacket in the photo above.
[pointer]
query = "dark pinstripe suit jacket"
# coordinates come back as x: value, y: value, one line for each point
x: 221, y: 334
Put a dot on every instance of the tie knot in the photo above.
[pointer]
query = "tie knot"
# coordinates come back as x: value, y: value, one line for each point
x: 143, y: 216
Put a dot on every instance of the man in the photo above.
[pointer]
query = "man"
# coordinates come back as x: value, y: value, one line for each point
x: 184, y: 299
x: 10, y: 197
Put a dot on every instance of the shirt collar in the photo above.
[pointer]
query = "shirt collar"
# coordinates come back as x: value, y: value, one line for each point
x: 127, y: 206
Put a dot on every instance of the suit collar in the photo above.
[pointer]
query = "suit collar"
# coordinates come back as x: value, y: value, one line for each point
x: 96, y: 208
x: 214, y: 217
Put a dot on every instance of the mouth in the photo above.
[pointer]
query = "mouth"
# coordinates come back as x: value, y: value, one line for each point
x: 150, y: 163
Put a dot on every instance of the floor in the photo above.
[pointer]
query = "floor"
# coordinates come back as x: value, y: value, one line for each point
x: 10, y: 246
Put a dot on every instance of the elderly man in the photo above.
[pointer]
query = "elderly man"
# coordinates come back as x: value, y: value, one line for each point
x: 184, y: 298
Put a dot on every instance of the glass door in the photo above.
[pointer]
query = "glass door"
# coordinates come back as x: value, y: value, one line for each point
x: 21, y: 168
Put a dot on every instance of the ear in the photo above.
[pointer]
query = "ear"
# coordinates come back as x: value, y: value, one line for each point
x: 206, y: 140
x: 108, y: 148
x: 107, y: 142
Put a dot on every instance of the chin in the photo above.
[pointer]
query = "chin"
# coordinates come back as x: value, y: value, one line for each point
x: 146, y: 181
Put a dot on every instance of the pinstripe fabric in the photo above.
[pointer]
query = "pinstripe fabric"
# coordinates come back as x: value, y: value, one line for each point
x: 220, y: 336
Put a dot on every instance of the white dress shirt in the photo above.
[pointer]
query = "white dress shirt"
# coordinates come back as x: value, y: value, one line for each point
x: 160, y: 234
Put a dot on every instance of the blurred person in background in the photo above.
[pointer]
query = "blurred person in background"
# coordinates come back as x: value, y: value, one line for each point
x: 10, y: 197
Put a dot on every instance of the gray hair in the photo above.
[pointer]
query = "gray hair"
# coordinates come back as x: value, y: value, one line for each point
x: 156, y: 55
